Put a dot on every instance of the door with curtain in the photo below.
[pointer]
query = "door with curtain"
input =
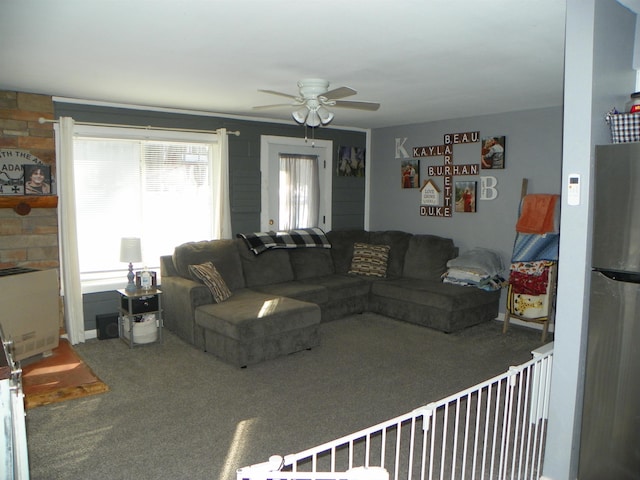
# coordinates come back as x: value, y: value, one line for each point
x: 298, y: 191
x: 296, y: 184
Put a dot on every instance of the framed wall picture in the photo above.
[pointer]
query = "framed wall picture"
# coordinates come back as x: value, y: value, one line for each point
x: 493, y: 152
x: 37, y: 179
x: 351, y: 162
x: 465, y: 193
x: 410, y: 173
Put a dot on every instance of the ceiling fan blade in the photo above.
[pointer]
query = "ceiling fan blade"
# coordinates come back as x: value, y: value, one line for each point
x: 340, y: 92
x: 371, y: 106
x: 273, y: 92
x: 276, y: 105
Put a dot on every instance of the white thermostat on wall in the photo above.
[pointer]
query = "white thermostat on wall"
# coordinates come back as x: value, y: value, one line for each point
x: 573, y: 189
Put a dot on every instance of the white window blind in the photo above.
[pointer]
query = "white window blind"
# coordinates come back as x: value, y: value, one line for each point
x: 156, y: 187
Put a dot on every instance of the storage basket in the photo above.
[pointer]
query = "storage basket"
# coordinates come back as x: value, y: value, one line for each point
x: 144, y: 331
x: 625, y: 127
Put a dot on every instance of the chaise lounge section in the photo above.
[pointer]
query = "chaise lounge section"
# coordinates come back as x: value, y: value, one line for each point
x: 278, y: 298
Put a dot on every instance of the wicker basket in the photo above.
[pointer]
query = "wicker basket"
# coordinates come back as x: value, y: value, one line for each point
x: 625, y: 127
x: 144, y: 331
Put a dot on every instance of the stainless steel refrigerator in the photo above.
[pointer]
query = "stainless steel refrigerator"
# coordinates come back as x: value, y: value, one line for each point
x: 610, y: 438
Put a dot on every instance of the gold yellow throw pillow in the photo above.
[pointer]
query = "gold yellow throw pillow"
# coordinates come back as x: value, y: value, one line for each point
x: 369, y: 260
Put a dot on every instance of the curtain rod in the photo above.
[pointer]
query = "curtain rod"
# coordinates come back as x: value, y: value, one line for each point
x: 42, y: 120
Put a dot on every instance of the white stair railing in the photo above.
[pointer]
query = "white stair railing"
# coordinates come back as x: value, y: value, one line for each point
x: 494, y: 430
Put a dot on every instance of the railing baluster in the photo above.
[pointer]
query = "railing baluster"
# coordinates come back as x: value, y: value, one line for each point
x: 509, y: 431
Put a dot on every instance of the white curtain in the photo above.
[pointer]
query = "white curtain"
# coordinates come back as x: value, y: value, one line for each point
x: 299, y: 192
x: 68, y: 238
x: 220, y: 186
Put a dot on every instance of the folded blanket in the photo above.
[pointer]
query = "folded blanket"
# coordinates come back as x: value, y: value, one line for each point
x: 529, y: 247
x: 478, y: 259
x: 529, y: 306
x: 529, y: 284
x: 259, y: 242
x: 539, y: 214
x: 487, y: 283
x: 466, y: 275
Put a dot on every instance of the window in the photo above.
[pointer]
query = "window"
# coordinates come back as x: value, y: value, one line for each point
x: 148, y: 184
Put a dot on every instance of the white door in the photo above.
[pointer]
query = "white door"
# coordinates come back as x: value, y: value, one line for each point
x: 270, y: 149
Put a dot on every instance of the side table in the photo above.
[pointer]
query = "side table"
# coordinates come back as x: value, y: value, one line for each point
x: 140, y: 316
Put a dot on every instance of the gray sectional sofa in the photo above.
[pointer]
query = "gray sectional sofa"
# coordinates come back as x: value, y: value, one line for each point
x: 280, y: 296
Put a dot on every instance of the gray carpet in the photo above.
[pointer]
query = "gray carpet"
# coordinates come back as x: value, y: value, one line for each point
x: 175, y: 412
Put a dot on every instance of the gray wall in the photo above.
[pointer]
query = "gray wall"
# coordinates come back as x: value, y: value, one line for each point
x: 598, y: 76
x: 348, y: 194
x: 533, y: 151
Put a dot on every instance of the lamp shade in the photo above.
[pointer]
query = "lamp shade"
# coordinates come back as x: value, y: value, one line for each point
x: 300, y: 115
x: 130, y: 251
x: 313, y: 119
x: 325, y: 115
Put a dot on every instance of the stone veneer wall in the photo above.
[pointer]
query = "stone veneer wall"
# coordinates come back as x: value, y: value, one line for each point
x: 28, y: 240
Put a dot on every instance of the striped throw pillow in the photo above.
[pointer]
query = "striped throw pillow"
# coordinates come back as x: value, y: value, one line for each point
x: 208, y: 274
x: 369, y: 260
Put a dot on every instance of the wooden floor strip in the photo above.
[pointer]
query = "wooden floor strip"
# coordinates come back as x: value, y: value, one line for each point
x: 61, y: 376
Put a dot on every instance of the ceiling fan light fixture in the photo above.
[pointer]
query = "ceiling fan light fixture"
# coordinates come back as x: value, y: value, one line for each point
x: 325, y: 115
x: 300, y: 116
x: 314, y: 100
x: 313, y: 119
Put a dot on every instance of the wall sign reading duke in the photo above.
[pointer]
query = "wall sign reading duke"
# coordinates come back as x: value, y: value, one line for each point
x: 12, y: 170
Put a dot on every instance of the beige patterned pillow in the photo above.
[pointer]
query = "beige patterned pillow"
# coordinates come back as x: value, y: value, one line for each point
x: 208, y: 274
x: 369, y: 260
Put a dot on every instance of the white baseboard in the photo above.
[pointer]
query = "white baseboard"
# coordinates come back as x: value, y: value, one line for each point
x: 90, y: 334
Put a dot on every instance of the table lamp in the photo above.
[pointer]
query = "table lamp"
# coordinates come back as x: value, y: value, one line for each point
x: 130, y: 252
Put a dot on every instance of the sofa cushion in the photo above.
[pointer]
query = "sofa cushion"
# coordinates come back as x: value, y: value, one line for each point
x: 208, y: 274
x: 369, y: 260
x: 222, y: 253
x: 398, y: 243
x: 436, y: 294
x: 298, y: 290
x: 311, y: 262
x: 427, y: 257
x: 248, y: 315
x: 272, y: 266
x: 341, y: 287
x: 342, y: 247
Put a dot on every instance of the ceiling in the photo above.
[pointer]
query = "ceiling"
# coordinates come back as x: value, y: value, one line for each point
x: 423, y: 60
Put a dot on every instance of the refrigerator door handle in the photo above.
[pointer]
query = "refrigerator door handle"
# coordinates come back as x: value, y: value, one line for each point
x: 627, y: 277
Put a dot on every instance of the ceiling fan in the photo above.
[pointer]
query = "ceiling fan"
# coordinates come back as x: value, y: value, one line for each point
x: 314, y: 97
